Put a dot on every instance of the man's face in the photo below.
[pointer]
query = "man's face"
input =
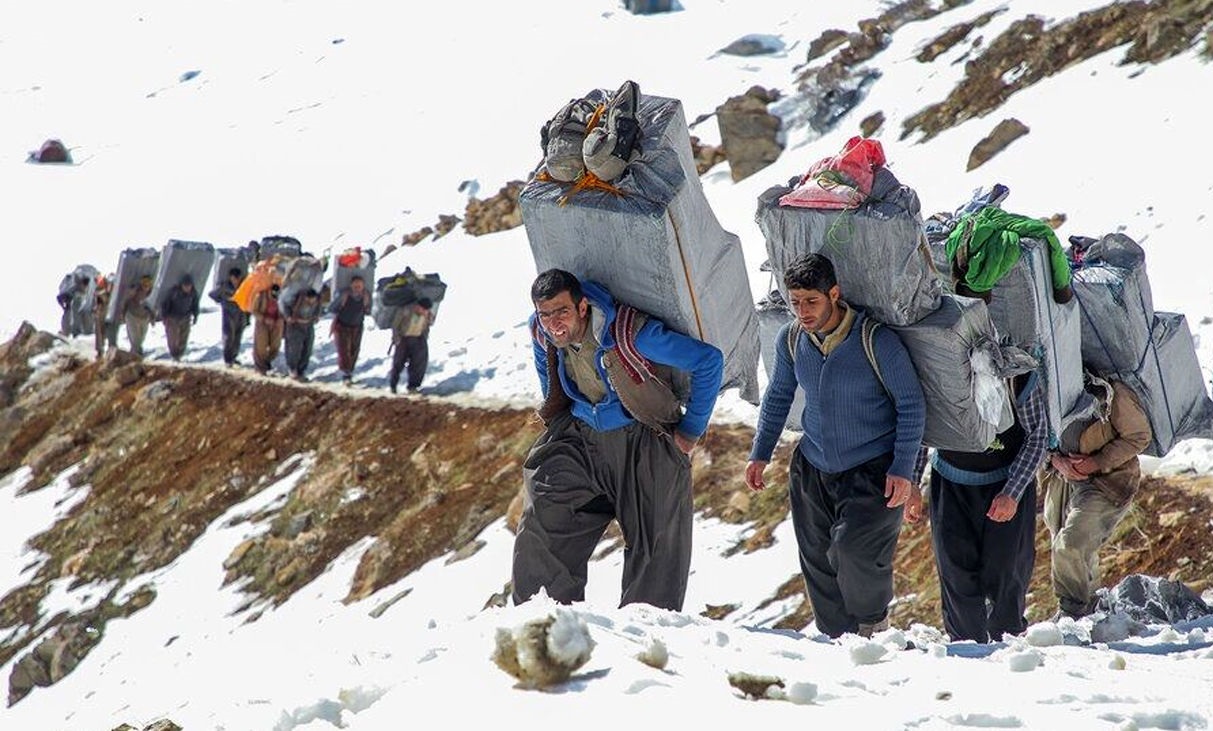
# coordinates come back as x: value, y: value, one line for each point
x: 356, y: 286
x: 564, y: 320
x: 814, y: 310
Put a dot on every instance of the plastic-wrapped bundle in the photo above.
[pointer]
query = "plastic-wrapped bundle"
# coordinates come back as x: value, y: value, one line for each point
x: 178, y: 259
x: 227, y: 259
x: 133, y: 264
x: 657, y: 247
x: 354, y: 263
x: 302, y: 273
x: 773, y: 314
x: 402, y: 289
x: 284, y: 246
x: 1023, y: 309
x: 956, y: 354
x: 1117, y: 308
x: 1171, y: 385
x: 879, y: 251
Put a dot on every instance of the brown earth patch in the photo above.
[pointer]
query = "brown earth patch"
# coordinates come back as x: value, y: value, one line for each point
x: 1032, y: 49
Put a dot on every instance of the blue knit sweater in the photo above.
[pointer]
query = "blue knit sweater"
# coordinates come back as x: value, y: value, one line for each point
x: 849, y: 417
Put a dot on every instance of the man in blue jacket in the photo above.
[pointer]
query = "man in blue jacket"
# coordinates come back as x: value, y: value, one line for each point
x: 854, y: 468
x: 617, y: 444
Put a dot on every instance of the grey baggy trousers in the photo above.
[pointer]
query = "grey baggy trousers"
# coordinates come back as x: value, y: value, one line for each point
x: 579, y: 479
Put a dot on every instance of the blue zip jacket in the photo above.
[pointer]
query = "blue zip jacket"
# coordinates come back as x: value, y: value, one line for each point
x: 704, y: 362
x: 849, y: 417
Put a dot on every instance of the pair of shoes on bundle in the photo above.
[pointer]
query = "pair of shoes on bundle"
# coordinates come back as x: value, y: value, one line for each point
x: 571, y: 147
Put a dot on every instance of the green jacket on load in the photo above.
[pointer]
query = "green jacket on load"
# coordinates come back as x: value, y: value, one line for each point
x: 984, y: 246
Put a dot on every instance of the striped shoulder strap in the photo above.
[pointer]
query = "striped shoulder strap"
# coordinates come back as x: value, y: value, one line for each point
x: 627, y: 323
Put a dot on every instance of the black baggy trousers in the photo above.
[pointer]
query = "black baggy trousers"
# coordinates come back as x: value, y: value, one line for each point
x: 579, y: 479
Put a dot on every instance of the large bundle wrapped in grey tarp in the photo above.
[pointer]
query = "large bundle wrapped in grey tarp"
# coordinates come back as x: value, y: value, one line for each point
x: 360, y: 263
x: 773, y: 314
x: 404, y: 288
x: 132, y: 265
x: 1023, y: 309
x: 286, y: 246
x: 1171, y: 385
x: 83, y: 299
x: 959, y: 363
x: 1117, y: 307
x: 658, y: 246
x: 302, y: 273
x: 879, y: 251
x: 227, y: 259
x: 177, y: 260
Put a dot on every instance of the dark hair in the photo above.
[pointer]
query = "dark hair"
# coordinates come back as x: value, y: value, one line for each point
x: 554, y: 281
x: 426, y: 302
x: 357, y: 278
x: 811, y: 271
x: 235, y: 272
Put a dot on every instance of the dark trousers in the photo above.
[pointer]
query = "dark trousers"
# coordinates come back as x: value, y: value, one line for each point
x: 578, y: 480
x: 349, y: 343
x: 413, y: 352
x: 299, y: 339
x: 846, y: 536
x: 233, y: 331
x: 984, y: 567
x: 177, y: 333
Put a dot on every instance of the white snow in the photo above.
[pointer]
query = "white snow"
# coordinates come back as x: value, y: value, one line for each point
x: 354, y: 124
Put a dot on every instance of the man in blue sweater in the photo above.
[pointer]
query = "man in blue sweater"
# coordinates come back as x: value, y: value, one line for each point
x: 853, y: 470
x: 617, y: 444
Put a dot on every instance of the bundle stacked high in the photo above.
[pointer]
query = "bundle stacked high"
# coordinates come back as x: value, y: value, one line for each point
x: 179, y: 259
x: 651, y: 238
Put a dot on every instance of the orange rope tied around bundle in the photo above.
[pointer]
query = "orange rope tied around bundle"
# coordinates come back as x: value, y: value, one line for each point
x: 587, y: 180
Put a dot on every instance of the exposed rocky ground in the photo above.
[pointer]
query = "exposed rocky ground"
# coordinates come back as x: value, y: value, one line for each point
x: 168, y: 450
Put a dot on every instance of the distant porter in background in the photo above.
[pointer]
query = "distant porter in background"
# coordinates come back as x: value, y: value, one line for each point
x: 350, y: 307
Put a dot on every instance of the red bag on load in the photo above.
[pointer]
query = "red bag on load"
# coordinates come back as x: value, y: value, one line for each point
x: 841, y: 181
x: 350, y: 257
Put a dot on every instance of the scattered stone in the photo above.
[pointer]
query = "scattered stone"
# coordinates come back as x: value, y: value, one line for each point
x: 162, y: 725
x: 749, y: 133
x: 499, y: 213
x: 465, y: 551
x: 754, y: 45
x: 706, y: 156
x: 655, y: 655
x: 871, y: 124
x: 378, y: 611
x: 755, y: 687
x: 544, y: 652
x: 1003, y: 134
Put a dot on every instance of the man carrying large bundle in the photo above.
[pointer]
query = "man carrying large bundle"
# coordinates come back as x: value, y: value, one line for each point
x: 267, y: 328
x: 1089, y: 486
x: 104, y: 331
x: 137, y: 314
x: 178, y: 311
x: 616, y: 444
x: 234, y: 318
x: 854, y: 469
x: 350, y: 308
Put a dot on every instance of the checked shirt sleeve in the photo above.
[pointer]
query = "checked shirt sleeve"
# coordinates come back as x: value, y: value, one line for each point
x: 1035, y: 423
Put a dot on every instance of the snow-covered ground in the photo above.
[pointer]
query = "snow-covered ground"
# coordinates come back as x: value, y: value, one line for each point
x: 355, y: 124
